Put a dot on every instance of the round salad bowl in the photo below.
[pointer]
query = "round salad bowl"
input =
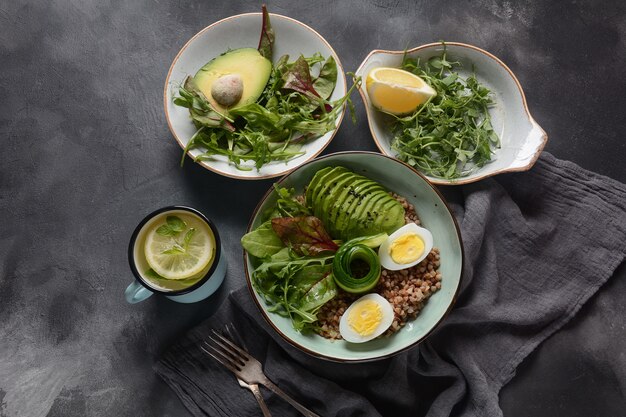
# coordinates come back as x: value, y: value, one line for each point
x: 434, y: 214
x: 293, y: 38
x: 522, y: 139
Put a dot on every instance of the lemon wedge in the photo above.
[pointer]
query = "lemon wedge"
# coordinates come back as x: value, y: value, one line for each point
x: 186, y: 255
x: 395, y: 91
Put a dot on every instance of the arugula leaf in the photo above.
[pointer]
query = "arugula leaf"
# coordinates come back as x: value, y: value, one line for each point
x: 287, y: 205
x: 326, y: 81
x: 266, y: 43
x: 262, y: 242
x: 305, y: 235
x: 257, y: 116
x: 450, y: 135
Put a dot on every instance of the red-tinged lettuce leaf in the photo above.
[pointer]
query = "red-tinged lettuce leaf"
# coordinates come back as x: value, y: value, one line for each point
x: 266, y: 43
x: 298, y: 78
x: 305, y: 235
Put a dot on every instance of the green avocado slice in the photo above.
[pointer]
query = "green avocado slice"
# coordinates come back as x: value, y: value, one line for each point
x: 393, y: 219
x: 313, y: 184
x: 390, y: 216
x: 339, y: 184
x: 357, y: 200
x: 324, y: 182
x: 361, y: 221
x: 342, y: 202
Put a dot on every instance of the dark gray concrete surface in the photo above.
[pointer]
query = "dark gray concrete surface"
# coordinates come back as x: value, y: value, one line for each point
x: 86, y: 153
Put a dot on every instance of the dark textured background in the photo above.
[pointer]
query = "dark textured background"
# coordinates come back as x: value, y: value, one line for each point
x: 86, y: 153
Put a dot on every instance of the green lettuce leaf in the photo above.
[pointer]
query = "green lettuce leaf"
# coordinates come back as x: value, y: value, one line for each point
x: 262, y: 242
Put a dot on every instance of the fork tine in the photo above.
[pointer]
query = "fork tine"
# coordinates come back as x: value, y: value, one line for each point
x: 232, y: 357
x: 219, y: 345
x: 230, y: 347
x: 239, y: 350
x: 226, y: 364
x: 236, y: 363
x: 224, y: 357
x: 235, y: 336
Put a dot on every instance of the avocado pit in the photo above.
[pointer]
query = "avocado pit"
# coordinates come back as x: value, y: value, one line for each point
x: 227, y: 89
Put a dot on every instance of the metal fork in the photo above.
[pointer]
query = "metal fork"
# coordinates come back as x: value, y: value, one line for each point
x: 245, y: 367
x: 233, y: 334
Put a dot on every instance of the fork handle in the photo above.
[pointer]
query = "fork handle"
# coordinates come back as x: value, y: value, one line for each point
x: 259, y: 398
x: 274, y: 388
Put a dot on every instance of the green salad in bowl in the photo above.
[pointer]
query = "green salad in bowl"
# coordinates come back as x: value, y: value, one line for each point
x: 353, y: 257
x: 254, y: 95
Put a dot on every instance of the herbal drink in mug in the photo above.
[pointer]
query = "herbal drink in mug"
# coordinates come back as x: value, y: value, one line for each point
x: 175, y: 251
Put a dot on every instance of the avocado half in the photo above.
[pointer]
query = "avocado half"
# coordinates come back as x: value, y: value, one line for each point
x: 248, y: 63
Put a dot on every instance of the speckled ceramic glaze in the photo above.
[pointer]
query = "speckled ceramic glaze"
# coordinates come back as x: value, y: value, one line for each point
x: 292, y: 37
x: 434, y: 214
x: 522, y: 139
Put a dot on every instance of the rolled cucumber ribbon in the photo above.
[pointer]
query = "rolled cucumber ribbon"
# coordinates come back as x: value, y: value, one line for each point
x: 353, y: 250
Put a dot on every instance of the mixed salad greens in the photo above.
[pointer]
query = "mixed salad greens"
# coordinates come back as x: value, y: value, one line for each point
x: 299, y: 265
x: 293, y: 109
x: 451, y: 135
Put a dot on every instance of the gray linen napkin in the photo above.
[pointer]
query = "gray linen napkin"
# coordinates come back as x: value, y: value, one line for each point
x: 538, y: 244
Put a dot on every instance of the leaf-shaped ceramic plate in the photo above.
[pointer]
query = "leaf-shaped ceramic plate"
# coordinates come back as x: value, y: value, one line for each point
x: 522, y: 139
x: 292, y: 38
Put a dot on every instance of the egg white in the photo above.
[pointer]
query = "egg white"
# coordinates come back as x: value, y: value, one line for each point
x: 349, y: 335
x: 387, y: 261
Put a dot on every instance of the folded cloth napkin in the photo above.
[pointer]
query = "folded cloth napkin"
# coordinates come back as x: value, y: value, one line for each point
x: 538, y: 244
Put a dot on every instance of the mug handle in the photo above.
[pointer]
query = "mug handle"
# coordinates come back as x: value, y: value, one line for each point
x: 136, y: 293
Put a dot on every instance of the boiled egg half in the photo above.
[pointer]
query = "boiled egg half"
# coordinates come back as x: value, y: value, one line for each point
x: 405, y: 247
x: 366, y: 318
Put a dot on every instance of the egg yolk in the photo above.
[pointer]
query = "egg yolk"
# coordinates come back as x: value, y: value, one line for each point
x: 406, y: 249
x: 365, y: 317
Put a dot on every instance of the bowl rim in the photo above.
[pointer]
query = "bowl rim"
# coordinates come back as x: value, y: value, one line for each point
x: 460, y: 181
x: 264, y: 313
x: 205, y: 165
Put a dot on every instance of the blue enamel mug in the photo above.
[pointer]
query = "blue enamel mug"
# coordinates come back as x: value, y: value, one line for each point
x: 191, y: 290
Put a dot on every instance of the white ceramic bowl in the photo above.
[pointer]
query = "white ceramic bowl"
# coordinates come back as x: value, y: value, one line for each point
x: 434, y: 214
x: 522, y: 139
x: 292, y: 38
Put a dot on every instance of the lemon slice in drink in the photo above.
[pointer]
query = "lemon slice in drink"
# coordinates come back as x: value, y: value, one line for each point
x: 396, y: 91
x: 188, y: 254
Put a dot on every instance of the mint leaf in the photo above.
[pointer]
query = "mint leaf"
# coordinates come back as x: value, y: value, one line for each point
x: 151, y: 273
x: 175, y: 223
x: 165, y: 230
